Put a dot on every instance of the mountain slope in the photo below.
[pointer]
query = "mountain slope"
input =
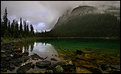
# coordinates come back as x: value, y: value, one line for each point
x: 87, y: 21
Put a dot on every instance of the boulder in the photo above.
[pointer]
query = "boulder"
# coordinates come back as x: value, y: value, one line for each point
x: 43, y: 64
x: 24, y: 68
x: 12, y: 67
x: 8, y: 59
x: 24, y: 58
x: 35, y: 56
x: 2, y: 51
x: 3, y: 55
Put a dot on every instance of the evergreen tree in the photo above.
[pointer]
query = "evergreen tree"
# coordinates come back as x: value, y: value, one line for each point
x: 21, y: 29
x: 13, y: 29
x: 25, y: 28
x: 16, y: 29
x: 5, y: 19
x: 31, y: 29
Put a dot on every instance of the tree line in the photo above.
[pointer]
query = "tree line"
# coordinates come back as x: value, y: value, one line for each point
x: 14, y: 29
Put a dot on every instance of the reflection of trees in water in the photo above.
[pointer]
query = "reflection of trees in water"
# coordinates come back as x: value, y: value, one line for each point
x: 28, y: 47
x: 32, y: 46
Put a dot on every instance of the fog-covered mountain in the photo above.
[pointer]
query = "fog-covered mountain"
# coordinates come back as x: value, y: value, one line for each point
x: 88, y: 21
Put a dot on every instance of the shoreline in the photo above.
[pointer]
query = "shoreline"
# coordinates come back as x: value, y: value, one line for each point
x: 10, y: 40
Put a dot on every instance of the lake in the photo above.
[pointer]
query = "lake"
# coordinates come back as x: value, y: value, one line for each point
x: 57, y: 50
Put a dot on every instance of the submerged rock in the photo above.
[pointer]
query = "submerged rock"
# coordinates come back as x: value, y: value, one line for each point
x: 115, y: 67
x: 105, y: 67
x: 94, y: 70
x: 89, y: 49
x: 115, y: 71
x: 59, y: 69
x: 43, y: 64
x: 79, y: 52
x: 69, y: 68
x: 49, y: 71
x: 70, y: 62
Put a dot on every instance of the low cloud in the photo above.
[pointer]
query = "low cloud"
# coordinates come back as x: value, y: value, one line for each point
x: 44, y: 14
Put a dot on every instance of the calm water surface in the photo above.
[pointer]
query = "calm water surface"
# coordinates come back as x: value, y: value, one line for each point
x: 51, y: 48
x: 48, y: 47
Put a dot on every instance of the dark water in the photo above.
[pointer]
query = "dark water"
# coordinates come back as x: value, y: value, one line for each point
x: 51, y: 48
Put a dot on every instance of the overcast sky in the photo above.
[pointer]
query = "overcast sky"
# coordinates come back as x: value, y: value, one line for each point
x: 44, y: 14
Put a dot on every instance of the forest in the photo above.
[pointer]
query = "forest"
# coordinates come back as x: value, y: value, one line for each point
x: 13, y: 29
x: 89, y: 25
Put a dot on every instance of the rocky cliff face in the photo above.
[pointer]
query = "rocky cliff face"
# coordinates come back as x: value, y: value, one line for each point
x: 83, y: 10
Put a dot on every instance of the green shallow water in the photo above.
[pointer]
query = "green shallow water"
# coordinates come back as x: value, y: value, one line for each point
x: 100, y: 45
x: 100, y: 48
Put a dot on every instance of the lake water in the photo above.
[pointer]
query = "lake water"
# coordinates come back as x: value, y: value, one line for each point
x: 58, y: 48
x: 50, y: 47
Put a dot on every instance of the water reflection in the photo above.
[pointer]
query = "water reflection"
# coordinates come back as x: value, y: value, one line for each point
x: 42, y: 49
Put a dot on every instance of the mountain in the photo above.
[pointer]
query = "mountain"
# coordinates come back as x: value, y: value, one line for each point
x: 87, y: 21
